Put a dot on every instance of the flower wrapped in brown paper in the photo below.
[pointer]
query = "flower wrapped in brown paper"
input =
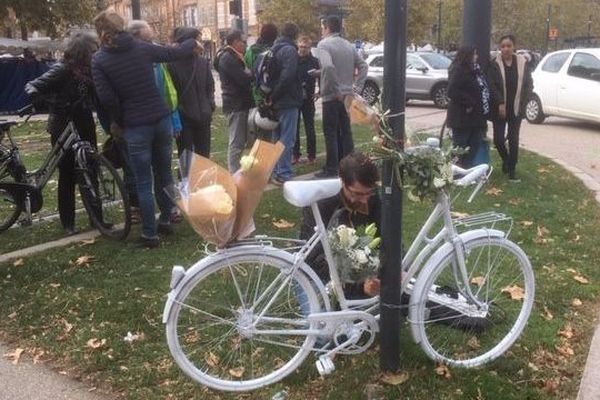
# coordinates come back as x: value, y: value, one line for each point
x: 208, y: 200
x: 251, y: 180
x: 360, y: 111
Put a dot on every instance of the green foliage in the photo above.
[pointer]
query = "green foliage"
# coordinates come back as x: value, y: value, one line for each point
x: 300, y: 12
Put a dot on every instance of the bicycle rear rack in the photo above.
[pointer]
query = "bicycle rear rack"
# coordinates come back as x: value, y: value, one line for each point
x: 490, y: 220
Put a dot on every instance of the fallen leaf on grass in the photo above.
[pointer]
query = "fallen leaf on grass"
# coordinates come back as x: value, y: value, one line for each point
x: 514, y: 202
x: 457, y: 214
x: 133, y: 337
x: 581, y: 279
x: 84, y: 260
x: 565, y: 349
x: 237, y: 372
x: 212, y: 359
x: 515, y: 292
x: 571, y: 270
x: 543, y: 170
x: 551, y: 385
x: 566, y: 332
x: 55, y: 285
x: 94, y: 343
x: 542, y: 231
x: 576, y: 238
x: 86, y: 242
x: 576, y: 302
x: 494, y: 191
x: 473, y: 343
x: 283, y: 224
x: 19, y: 263
x: 394, y: 379
x: 547, y: 315
x: 478, y: 280
x: 15, y: 356
x: 12, y: 315
x: 526, y: 223
x: 443, y: 371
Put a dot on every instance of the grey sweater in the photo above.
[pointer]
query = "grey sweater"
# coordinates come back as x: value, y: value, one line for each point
x: 339, y: 61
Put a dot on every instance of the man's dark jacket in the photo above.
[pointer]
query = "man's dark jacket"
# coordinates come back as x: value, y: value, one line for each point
x: 236, y: 84
x: 465, y: 109
x: 124, y: 78
x: 287, y: 89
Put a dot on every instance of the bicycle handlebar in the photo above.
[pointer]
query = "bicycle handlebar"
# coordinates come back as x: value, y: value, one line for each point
x: 471, y: 175
x: 28, y: 109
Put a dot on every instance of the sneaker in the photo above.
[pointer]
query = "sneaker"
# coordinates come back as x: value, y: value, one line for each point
x: 512, y: 177
x: 71, y: 231
x: 148, y: 243
x: 324, y: 175
x: 165, y: 229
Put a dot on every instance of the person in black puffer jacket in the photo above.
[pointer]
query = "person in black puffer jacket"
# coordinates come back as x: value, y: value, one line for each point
x: 69, y: 89
x: 123, y: 72
x: 236, y: 88
x: 469, y: 104
x: 195, y: 86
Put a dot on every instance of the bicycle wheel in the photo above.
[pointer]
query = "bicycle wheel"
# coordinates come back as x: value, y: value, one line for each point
x: 215, y: 330
x: 455, y: 330
x: 103, y: 195
x: 9, y: 210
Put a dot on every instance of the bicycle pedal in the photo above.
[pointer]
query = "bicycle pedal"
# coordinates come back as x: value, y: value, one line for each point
x: 325, y: 365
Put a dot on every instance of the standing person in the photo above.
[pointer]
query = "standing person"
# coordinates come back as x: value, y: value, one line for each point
x: 469, y: 104
x: 196, y: 87
x: 268, y: 35
x: 124, y: 78
x: 236, y: 80
x: 337, y: 81
x: 307, y: 65
x: 511, y: 84
x: 286, y: 98
x: 69, y: 86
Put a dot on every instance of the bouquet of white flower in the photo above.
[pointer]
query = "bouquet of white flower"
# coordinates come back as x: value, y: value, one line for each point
x: 355, y: 252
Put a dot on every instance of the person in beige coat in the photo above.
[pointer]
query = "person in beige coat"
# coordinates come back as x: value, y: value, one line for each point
x: 511, y: 86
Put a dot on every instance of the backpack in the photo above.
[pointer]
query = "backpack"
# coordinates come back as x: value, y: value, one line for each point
x: 266, y: 71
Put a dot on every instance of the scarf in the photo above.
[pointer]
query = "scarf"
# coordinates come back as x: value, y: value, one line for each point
x: 484, y: 88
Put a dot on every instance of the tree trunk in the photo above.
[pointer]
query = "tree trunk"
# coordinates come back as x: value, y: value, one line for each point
x: 24, y: 33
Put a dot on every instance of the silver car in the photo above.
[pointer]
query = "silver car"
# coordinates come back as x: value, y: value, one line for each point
x: 426, y: 77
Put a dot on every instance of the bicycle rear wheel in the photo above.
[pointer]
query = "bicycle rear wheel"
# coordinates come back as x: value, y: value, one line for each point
x: 104, y: 197
x: 10, y: 210
x: 215, y: 331
x: 455, y: 330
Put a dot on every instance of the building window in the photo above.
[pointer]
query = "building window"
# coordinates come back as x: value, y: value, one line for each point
x: 190, y: 16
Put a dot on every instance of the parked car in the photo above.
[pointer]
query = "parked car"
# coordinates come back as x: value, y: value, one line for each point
x: 426, y: 77
x: 566, y: 83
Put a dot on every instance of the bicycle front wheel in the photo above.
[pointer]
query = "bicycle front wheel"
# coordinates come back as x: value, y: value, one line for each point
x: 10, y: 210
x: 240, y: 323
x: 460, y: 330
x: 104, y: 197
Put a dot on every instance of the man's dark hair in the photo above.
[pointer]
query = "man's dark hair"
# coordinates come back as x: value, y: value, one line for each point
x: 333, y: 22
x: 509, y: 37
x: 358, y: 167
x: 268, y: 33
x: 290, y: 30
x: 464, y: 57
x: 79, y: 51
x: 232, y: 37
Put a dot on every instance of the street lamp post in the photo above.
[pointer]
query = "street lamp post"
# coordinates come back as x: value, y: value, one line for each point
x: 136, y: 12
x: 394, y: 79
x: 589, y: 35
x: 477, y: 27
x: 439, y: 26
x: 548, y: 28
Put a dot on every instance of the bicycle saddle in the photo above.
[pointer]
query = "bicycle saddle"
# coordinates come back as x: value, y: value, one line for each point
x: 305, y: 193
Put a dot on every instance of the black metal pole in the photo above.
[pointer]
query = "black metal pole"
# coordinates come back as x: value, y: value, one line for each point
x: 394, y: 60
x: 136, y: 12
x: 589, y: 31
x: 548, y: 28
x: 477, y: 28
x: 439, y: 26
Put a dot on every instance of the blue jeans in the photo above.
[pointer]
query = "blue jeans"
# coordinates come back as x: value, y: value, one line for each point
x: 150, y: 148
x: 286, y: 133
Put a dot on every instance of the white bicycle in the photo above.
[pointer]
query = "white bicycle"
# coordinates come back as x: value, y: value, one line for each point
x: 247, y: 316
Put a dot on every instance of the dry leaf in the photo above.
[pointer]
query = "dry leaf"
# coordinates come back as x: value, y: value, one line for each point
x: 542, y: 231
x: 84, y: 260
x: 96, y: 343
x: 237, y: 372
x: 571, y: 270
x: 551, y: 385
x: 576, y: 302
x: 526, y: 223
x: 443, y: 371
x: 473, y: 343
x: 565, y: 349
x: 478, y: 280
x: 12, y: 315
x: 283, y: 224
x: 543, y: 170
x: 576, y: 238
x: 494, y: 191
x: 86, y: 242
x: 514, y: 202
x: 19, y: 262
x: 15, y: 356
x: 394, y: 379
x: 457, y: 214
x: 515, y: 292
x: 55, y: 285
x: 581, y: 279
x: 567, y: 331
x: 213, y: 360
x: 547, y: 315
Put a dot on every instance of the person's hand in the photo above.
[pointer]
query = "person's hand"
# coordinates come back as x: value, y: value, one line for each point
x: 502, y: 111
x: 199, y: 48
x: 371, y: 286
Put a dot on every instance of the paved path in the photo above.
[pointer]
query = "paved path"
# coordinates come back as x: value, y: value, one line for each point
x: 572, y: 144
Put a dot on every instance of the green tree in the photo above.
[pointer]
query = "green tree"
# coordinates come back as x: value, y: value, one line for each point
x: 300, y: 12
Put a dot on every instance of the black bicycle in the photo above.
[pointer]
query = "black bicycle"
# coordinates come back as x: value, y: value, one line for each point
x: 100, y: 185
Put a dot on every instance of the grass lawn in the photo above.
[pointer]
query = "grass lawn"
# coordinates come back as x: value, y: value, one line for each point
x: 76, y: 316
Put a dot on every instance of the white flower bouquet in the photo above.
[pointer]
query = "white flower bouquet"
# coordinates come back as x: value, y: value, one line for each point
x: 355, y: 252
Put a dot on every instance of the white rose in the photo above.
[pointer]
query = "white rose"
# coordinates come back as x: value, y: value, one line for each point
x: 346, y: 235
x: 367, y: 250
x: 439, y: 183
x: 361, y: 257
